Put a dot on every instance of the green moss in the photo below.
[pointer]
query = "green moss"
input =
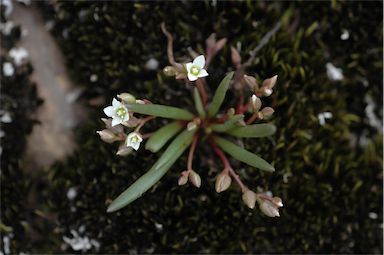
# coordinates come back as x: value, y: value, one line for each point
x: 329, y: 183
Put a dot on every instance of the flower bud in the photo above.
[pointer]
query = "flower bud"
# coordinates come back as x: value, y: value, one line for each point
x: 107, y: 136
x: 267, y: 112
x: 255, y: 103
x: 252, y: 82
x: 127, y: 98
x: 169, y: 71
x: 269, y: 209
x: 191, y: 126
x: 277, y: 201
x: 267, y: 92
x: 115, y: 129
x: 249, y: 198
x: 270, y: 83
x: 183, y: 179
x: 124, y: 150
x: 231, y: 112
x: 223, y: 181
x: 270, y: 205
x: 195, y: 178
x: 235, y: 56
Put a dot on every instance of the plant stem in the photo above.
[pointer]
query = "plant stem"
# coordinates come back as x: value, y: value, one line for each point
x: 252, y: 118
x: 201, y: 88
x: 170, y: 48
x: 192, y: 151
x: 227, y: 165
x: 143, y: 121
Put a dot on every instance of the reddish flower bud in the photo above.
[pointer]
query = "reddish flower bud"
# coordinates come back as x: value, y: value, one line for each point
x: 124, y: 150
x: 267, y: 112
x: 195, y: 178
x: 270, y: 83
x: 255, y: 103
x: 107, y: 136
x: 251, y: 82
x: 223, y: 181
x: 183, y: 179
x: 249, y: 198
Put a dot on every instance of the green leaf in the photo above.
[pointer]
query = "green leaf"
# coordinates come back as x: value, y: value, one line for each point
x: 164, y: 111
x: 162, y: 136
x: 231, y: 123
x: 257, y: 130
x: 243, y: 155
x: 219, y: 96
x: 198, y: 103
x: 158, y: 170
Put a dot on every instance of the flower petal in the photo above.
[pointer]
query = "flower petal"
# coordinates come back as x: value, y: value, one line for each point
x: 202, y: 73
x: 199, y: 61
x: 192, y: 77
x: 115, y: 103
x: 135, y: 146
x: 188, y: 66
x: 126, y: 117
x: 116, y: 121
x: 109, y: 111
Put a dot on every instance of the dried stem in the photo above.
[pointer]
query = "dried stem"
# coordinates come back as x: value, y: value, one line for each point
x: 262, y: 43
x: 170, y: 48
x: 227, y: 165
x: 192, y: 151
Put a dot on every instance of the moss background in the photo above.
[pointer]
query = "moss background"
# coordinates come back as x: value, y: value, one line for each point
x: 329, y: 176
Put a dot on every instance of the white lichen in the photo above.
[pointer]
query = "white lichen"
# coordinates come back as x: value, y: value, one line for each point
x: 19, y: 55
x: 8, y: 69
x: 334, y: 73
x: 323, y: 116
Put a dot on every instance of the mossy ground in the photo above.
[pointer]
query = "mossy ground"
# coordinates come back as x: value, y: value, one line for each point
x: 329, y: 179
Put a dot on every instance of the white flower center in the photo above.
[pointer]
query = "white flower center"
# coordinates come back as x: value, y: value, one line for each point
x: 195, y: 70
x: 121, y: 112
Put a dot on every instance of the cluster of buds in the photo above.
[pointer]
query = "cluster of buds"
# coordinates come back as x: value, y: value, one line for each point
x: 121, y: 117
x: 266, y: 88
x: 255, y: 105
x: 191, y: 176
x: 268, y: 205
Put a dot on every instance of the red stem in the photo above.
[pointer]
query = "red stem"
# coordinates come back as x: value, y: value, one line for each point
x: 227, y: 165
x: 252, y: 118
x: 201, y: 88
x: 191, y: 151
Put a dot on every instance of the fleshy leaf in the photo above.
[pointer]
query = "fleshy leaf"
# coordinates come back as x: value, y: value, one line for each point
x: 198, y: 103
x: 164, y: 111
x: 162, y: 165
x: 219, y: 96
x: 257, y: 130
x: 162, y: 136
x: 243, y: 155
x: 229, y: 124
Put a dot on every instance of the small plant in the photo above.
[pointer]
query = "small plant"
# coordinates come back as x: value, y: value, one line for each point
x: 208, y: 126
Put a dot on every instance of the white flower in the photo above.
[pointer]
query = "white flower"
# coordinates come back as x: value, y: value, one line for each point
x: 118, y: 112
x: 133, y: 140
x: 196, y: 69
